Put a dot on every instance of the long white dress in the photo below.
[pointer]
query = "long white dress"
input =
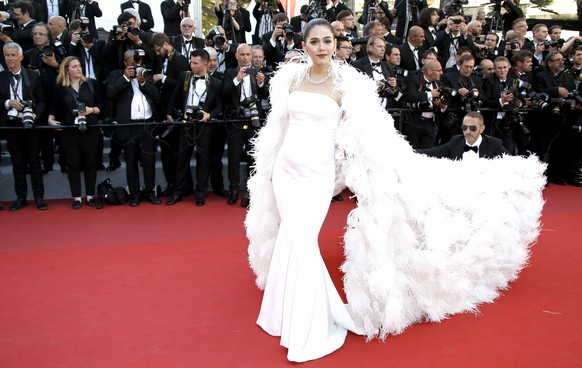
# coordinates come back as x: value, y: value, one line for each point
x: 300, y: 302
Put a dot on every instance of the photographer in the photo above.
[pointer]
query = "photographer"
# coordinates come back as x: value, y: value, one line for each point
x: 77, y: 101
x: 235, y: 20
x: 127, y: 36
x: 197, y: 96
x: 371, y: 11
x: 263, y: 12
x: 468, y: 97
x: 144, y: 11
x: 449, y: 40
x: 407, y: 12
x: 22, y: 98
x: 86, y: 11
x: 173, y: 12
x: 555, y: 125
x: 278, y: 42
x: 243, y: 87
x: 411, y: 50
x: 428, y: 20
x: 45, y: 9
x: 512, y: 12
x: 23, y: 13
x: 226, y: 50
x: 185, y: 42
x: 540, y: 46
x: 134, y: 97
x: 490, y: 50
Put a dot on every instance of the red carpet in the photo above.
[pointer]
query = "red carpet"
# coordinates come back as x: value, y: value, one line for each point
x: 159, y: 286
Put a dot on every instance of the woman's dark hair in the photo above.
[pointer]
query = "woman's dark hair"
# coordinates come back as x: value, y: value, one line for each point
x: 424, y: 17
x: 316, y: 23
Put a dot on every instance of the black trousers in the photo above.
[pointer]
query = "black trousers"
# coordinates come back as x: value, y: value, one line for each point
x: 217, y: 142
x: 421, y: 132
x: 169, y: 154
x: 140, y: 148
x: 81, y: 154
x: 237, y: 137
x: 24, y: 148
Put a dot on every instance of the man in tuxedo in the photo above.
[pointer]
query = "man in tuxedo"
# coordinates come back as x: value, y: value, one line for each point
x: 334, y: 7
x: 411, y: 50
x: 23, y: 32
x: 278, y: 42
x: 376, y: 68
x: 423, y: 92
x: 263, y: 13
x: 343, y: 50
x: 298, y: 22
x: 134, y: 98
x: 471, y: 145
x: 451, y: 39
x: 18, y: 85
x: 512, y: 12
x: 428, y: 21
x: 90, y: 10
x: 239, y: 89
x: 89, y: 50
x: 165, y: 77
x: 407, y: 12
x: 349, y: 21
x: 195, y: 89
x: 173, y: 11
x: 58, y: 27
x: 226, y: 51
x: 50, y: 8
x: 538, y: 45
x: 144, y: 11
x: 185, y: 42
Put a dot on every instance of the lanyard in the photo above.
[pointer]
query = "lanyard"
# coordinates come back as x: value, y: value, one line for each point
x: 200, y: 97
x: 15, y: 86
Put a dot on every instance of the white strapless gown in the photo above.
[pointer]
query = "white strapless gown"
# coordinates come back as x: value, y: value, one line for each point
x: 300, y: 302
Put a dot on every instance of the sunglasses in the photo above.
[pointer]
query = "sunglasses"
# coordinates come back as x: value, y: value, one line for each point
x: 187, y: 26
x: 472, y: 128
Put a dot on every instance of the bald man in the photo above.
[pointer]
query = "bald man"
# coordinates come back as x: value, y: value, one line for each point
x: 338, y: 28
x: 58, y: 26
x: 411, y: 50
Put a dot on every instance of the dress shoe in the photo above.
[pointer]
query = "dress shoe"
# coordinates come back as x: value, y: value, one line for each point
x: 200, y: 198
x: 153, y: 199
x: 135, y: 200
x: 40, y: 204
x: 557, y: 180
x: 91, y: 202
x: 20, y: 203
x: 338, y: 198
x: 168, y: 192
x: 77, y: 205
x: 221, y: 193
x: 1, y: 207
x: 113, y: 166
x: 233, y: 197
x: 175, y: 199
x: 245, y: 200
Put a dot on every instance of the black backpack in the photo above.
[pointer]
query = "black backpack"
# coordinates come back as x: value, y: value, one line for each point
x: 106, y: 193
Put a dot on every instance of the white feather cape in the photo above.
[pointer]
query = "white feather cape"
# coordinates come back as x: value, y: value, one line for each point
x: 429, y: 238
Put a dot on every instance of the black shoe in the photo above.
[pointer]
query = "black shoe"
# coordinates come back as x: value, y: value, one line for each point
x: 77, y: 205
x: 136, y: 198
x: 168, y: 192
x: 113, y: 166
x: 221, y: 193
x: 20, y: 203
x: 45, y: 170
x: 200, y: 198
x: 92, y: 202
x: 1, y: 207
x: 153, y: 199
x: 245, y: 200
x: 175, y: 199
x: 64, y: 169
x: 233, y: 197
x: 338, y: 198
x: 40, y: 204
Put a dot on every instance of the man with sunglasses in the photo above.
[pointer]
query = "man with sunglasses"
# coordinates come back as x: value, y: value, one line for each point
x: 471, y: 144
x: 185, y: 43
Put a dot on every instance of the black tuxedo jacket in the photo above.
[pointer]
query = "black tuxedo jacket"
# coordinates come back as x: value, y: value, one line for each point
x: 120, y: 91
x: 177, y: 64
x: 429, y: 38
x: 213, y: 103
x: 400, y: 6
x: 546, y: 82
x: 456, y: 81
x: 172, y: 14
x: 365, y: 66
x: 258, y: 15
x: 331, y: 13
x: 275, y: 55
x: 417, y: 91
x: 529, y: 76
x: 296, y: 23
x: 31, y: 90
x: 178, y: 43
x: 492, y: 88
x: 96, y: 59
x: 64, y: 10
x: 443, y: 43
x: 490, y: 147
x: 93, y: 11
x: 145, y: 13
x: 23, y: 36
x: 407, y: 60
x: 232, y: 94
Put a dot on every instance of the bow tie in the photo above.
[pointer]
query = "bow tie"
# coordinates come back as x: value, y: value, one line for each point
x: 375, y: 64
x: 197, y: 78
x: 470, y: 148
x: 415, y: 49
x: 187, y: 41
x: 434, y: 32
x: 15, y: 76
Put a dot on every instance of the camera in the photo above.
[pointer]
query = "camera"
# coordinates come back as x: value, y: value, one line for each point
x: 215, y: 39
x: 550, y: 43
x: 86, y: 37
x: 193, y: 112
x: 421, y: 105
x: 515, y: 45
x: 575, y: 72
x: 27, y: 114
x: 80, y: 121
x: 133, y: 30
x: 84, y: 23
x: 185, y: 5
x: 117, y: 29
x: 138, y: 54
x: 248, y: 110
x: 447, y: 94
x: 457, y: 21
x: 143, y: 72
x: 48, y: 52
x: 288, y: 30
x: 7, y: 29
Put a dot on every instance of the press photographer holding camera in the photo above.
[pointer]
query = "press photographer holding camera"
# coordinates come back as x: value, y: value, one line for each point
x: 195, y: 100
x: 173, y: 12
x: 78, y: 101
x: 282, y: 39
x: 134, y: 97
x: 22, y: 99
x: 243, y: 87
x: 235, y: 19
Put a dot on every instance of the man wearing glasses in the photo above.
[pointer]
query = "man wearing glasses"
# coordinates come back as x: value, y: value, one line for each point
x: 470, y: 145
x: 185, y: 43
x: 344, y: 50
x: 449, y: 40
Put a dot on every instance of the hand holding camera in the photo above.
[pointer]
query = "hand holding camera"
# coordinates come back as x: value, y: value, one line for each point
x: 129, y: 72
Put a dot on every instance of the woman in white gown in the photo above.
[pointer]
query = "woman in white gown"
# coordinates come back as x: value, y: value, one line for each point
x: 416, y: 248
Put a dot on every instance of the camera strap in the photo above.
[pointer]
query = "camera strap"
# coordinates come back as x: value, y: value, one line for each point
x: 15, y: 86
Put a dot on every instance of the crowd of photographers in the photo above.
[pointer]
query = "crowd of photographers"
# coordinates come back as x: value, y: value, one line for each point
x: 188, y: 95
